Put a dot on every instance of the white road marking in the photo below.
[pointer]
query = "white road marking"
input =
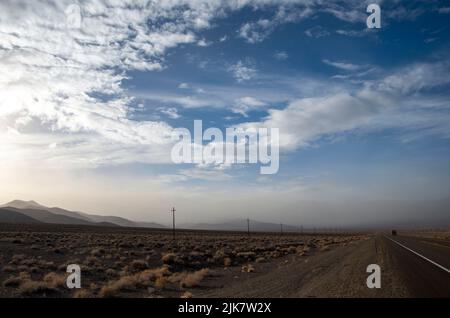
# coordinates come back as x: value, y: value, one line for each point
x: 420, y: 255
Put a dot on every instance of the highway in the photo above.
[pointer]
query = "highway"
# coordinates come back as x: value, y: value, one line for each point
x: 424, y: 264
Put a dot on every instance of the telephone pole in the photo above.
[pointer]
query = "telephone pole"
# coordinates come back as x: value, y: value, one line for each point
x: 281, y: 228
x: 173, y: 222
x: 248, y: 227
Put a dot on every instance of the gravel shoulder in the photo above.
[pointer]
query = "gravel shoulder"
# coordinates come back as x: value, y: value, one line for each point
x: 340, y: 272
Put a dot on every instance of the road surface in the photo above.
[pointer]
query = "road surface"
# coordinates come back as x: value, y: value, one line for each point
x: 410, y: 267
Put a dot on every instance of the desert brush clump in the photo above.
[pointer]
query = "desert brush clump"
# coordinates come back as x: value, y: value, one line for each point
x: 194, y: 279
x: 138, y: 265
x: 130, y: 282
x: 248, y: 268
x: 171, y: 258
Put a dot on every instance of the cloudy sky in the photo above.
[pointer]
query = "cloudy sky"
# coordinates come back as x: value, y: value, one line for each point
x: 91, y: 91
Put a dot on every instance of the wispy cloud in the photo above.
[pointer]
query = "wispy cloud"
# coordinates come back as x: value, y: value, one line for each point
x: 245, y: 104
x: 346, y: 66
x: 242, y: 71
x: 281, y: 56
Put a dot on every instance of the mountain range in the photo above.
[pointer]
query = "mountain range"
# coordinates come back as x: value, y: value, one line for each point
x: 19, y: 211
x: 31, y: 212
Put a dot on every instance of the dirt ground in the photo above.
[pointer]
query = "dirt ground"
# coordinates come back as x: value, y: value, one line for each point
x: 125, y: 262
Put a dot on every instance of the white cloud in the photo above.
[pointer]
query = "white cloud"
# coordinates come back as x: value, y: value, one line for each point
x: 394, y: 101
x: 184, y: 86
x: 203, y: 43
x: 354, y: 33
x: 171, y: 112
x: 258, y: 31
x: 245, y: 104
x: 242, y: 71
x: 317, y: 32
x: 281, y: 56
x: 344, y: 65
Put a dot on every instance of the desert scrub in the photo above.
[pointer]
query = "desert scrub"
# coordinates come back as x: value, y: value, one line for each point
x: 55, y: 280
x: 32, y: 287
x: 16, y: 280
x: 248, y: 268
x: 131, y: 282
x: 227, y: 262
x: 138, y: 265
x: 171, y: 258
x: 194, y: 279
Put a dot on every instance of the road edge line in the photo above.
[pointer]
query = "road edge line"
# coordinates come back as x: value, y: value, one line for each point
x: 420, y: 255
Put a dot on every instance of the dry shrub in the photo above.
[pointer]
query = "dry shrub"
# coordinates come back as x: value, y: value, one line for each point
x: 12, y: 282
x: 18, y: 258
x: 82, y: 293
x: 219, y: 256
x: 193, y: 279
x: 111, y: 272
x: 260, y: 260
x: 161, y: 282
x: 142, y: 279
x: 248, y: 268
x: 114, y: 288
x: 246, y: 254
x: 34, y: 287
x: 97, y: 252
x: 8, y: 269
x: 186, y: 294
x: 17, y: 280
x: 171, y: 258
x: 227, y: 262
x: 91, y: 261
x: 138, y: 265
x: 55, y: 280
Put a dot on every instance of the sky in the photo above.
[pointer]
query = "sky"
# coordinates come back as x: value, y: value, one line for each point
x: 92, y: 91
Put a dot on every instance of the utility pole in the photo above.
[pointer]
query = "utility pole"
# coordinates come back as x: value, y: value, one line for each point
x: 248, y: 227
x: 173, y: 222
x: 281, y: 228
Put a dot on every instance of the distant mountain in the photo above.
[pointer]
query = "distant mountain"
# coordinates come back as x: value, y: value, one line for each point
x: 240, y: 225
x: 57, y: 215
x: 18, y: 204
x: 12, y: 216
x: 49, y: 217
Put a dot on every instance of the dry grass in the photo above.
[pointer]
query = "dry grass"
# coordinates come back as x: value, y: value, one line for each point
x: 31, y: 287
x: 194, y: 279
x: 131, y: 282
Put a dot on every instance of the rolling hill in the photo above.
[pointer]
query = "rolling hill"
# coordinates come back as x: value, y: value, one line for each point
x: 40, y: 213
x: 12, y: 216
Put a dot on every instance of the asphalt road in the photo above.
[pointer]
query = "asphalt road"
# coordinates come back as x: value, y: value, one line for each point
x: 423, y: 264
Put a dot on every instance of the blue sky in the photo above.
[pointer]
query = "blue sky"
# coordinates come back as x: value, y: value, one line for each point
x: 363, y: 113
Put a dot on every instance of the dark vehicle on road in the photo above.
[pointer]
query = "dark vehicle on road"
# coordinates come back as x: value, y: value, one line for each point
x: 394, y: 232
